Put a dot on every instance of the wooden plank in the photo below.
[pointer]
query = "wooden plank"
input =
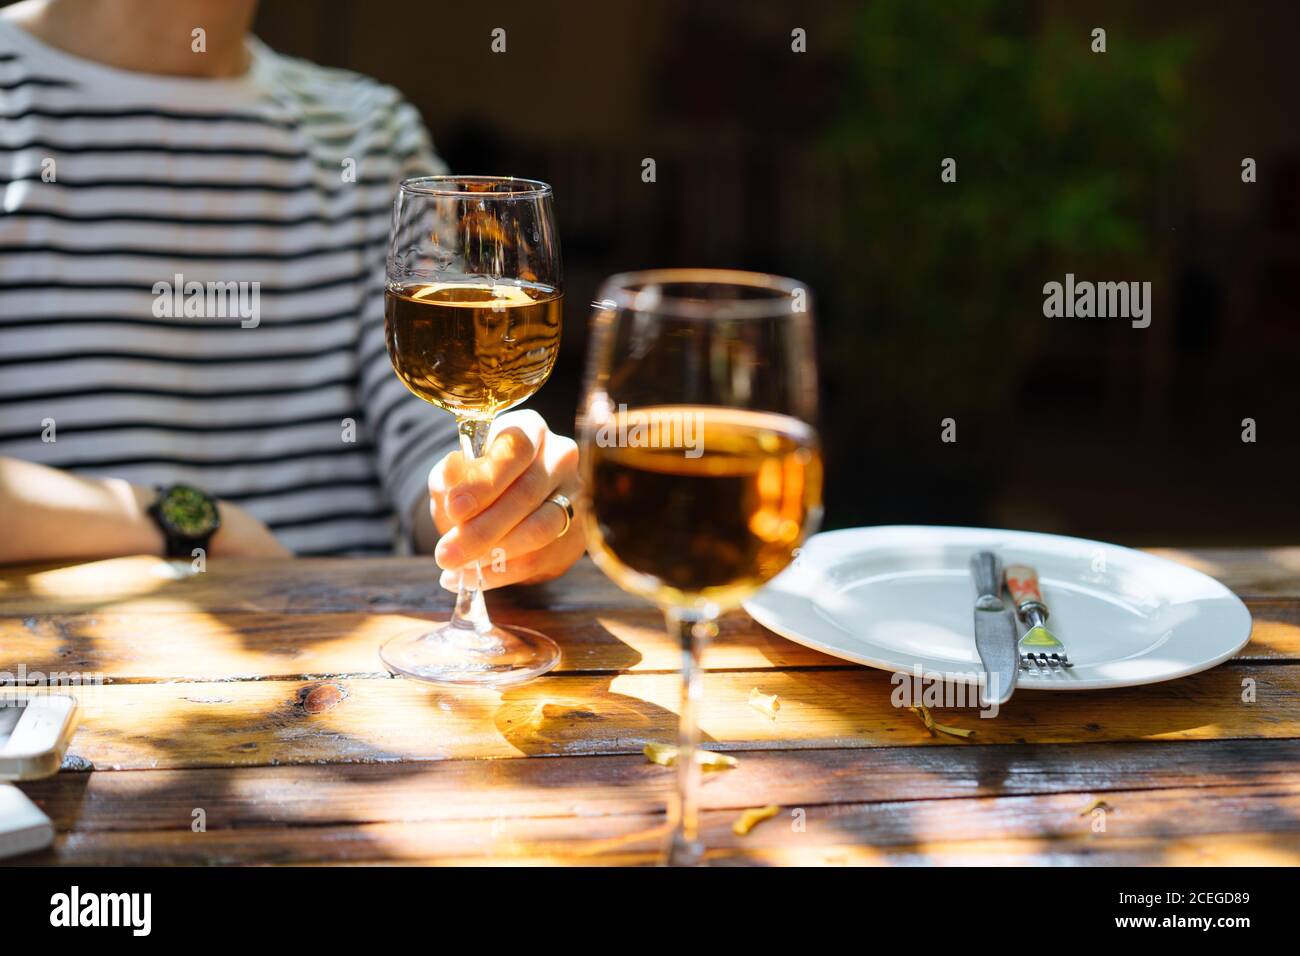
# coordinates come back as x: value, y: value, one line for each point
x: 1043, y: 821
x: 245, y: 645
x: 198, y: 645
x: 1275, y: 630
x: 402, y: 585
x: 585, y: 787
x: 1218, y: 850
x: 301, y: 586
x: 1233, y: 849
x: 1250, y: 572
x: 246, y: 723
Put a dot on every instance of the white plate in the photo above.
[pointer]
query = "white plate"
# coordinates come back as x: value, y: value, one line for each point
x: 901, y: 598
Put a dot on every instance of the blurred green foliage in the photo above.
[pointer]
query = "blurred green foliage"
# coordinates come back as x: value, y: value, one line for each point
x: 1060, y: 156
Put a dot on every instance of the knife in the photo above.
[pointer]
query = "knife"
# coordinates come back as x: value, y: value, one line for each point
x: 995, y: 630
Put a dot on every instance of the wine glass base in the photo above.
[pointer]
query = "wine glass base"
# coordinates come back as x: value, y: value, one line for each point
x: 455, y: 656
x: 683, y: 852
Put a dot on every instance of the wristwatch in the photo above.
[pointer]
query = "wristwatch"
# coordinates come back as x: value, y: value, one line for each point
x: 187, y: 517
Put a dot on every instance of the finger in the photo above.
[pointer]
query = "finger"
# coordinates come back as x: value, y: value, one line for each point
x: 470, y: 540
x: 444, y: 476
x: 532, y: 568
x: 523, y: 503
x: 513, y: 448
x: 544, y: 525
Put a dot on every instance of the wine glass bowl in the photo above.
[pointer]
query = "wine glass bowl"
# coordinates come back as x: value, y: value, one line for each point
x: 702, y: 532
x: 472, y: 314
x: 473, y: 349
x: 701, y: 463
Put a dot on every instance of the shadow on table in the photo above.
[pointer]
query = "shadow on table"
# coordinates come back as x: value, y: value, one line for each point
x: 1019, y: 743
x: 193, y: 815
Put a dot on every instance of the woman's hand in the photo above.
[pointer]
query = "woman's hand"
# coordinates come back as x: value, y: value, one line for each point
x: 494, y: 509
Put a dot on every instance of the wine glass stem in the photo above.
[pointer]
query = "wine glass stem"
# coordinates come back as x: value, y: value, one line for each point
x: 693, y: 630
x: 470, y: 615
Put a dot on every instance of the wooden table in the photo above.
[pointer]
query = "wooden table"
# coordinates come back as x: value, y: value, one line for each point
x: 245, y: 718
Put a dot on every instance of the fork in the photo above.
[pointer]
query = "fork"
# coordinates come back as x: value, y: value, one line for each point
x: 1039, y: 647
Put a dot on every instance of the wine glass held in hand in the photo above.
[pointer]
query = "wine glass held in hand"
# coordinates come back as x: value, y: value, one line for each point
x: 701, y: 464
x: 472, y: 320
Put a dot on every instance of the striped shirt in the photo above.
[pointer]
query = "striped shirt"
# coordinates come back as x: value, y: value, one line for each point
x: 191, y: 287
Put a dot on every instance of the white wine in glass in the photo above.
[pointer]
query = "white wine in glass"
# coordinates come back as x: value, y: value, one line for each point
x: 701, y: 463
x: 472, y: 320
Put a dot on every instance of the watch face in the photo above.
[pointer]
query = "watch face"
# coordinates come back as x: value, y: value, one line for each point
x: 188, y: 511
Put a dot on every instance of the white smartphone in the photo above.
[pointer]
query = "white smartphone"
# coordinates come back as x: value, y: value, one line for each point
x: 23, y: 828
x: 34, y: 734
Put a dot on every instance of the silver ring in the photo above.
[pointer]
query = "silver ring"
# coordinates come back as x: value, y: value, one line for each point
x: 567, y: 507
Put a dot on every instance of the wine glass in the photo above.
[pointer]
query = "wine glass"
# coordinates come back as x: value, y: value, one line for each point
x: 472, y: 320
x: 701, y: 465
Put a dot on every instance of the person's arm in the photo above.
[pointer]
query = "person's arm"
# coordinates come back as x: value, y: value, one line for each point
x: 49, y: 515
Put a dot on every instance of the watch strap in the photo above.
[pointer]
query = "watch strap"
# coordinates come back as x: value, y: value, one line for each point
x: 182, y: 546
x: 175, y: 543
